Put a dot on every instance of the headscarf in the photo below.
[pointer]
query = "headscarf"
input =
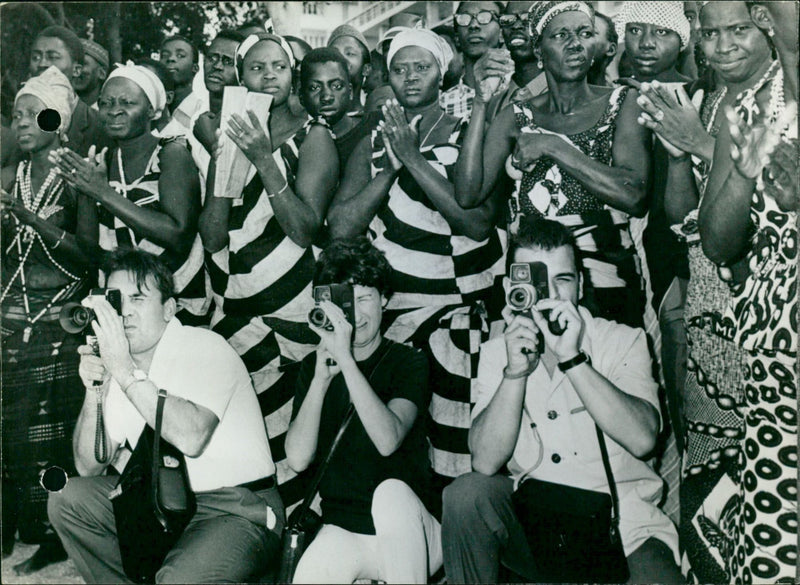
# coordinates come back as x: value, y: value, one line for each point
x: 247, y: 44
x: 428, y: 40
x: 149, y: 83
x: 541, y: 13
x: 96, y: 52
x: 345, y: 30
x: 667, y: 15
x: 55, y: 91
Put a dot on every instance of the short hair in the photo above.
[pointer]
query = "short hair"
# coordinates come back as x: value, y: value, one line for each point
x: 161, y: 72
x: 253, y: 22
x: 356, y: 261
x: 195, y: 52
x: 321, y: 55
x: 69, y: 38
x: 229, y: 34
x: 545, y: 234
x: 141, y: 265
x: 611, y: 29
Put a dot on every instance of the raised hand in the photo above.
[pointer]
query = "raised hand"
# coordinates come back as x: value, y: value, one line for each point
x: 751, y: 146
x: 87, y: 175
x: 522, y: 342
x: 249, y: 137
x: 781, y: 174
x: 399, y: 133
x: 338, y: 343
x: 205, y: 130
x: 672, y: 116
x: 566, y: 345
x: 492, y: 72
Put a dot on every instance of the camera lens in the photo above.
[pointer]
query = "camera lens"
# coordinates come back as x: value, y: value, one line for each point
x: 318, y: 318
x: 74, y: 317
x: 520, y: 298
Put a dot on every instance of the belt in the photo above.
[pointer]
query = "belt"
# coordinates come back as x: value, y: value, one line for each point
x: 265, y: 483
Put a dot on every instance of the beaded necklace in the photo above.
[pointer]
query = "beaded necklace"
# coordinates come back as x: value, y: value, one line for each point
x: 44, y: 204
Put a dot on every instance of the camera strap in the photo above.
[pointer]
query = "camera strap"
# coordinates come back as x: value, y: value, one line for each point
x: 100, y: 444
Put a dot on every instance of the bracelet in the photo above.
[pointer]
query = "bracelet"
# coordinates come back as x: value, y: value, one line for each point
x: 509, y: 376
x: 576, y: 361
x: 271, y: 195
x: 58, y: 242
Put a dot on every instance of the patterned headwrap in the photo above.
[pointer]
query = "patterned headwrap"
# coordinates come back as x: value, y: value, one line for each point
x: 667, y: 15
x: 251, y: 41
x: 55, y: 91
x: 149, y: 83
x: 541, y: 13
x: 428, y: 40
x: 96, y: 52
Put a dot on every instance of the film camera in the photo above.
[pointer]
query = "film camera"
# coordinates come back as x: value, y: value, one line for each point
x: 340, y: 295
x: 74, y: 317
x: 529, y: 284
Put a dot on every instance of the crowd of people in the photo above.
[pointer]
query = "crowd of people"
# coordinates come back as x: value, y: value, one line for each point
x: 634, y: 178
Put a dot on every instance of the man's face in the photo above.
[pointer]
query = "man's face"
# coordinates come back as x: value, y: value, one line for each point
x: 368, y: 312
x: 517, y: 35
x: 219, y: 66
x: 475, y: 39
x: 327, y: 91
x: 733, y: 45
x: 564, y: 280
x: 414, y: 77
x: 49, y: 51
x: 652, y: 49
x: 353, y: 51
x: 177, y: 55
x: 691, y: 14
x: 144, y: 313
x: 92, y: 75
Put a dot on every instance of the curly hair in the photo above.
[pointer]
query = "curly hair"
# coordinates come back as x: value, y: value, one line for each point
x: 355, y: 261
x: 141, y: 264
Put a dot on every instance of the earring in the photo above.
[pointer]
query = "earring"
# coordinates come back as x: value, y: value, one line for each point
x: 770, y: 32
x: 539, y: 64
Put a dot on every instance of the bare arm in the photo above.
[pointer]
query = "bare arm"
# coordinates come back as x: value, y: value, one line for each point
x: 303, y: 434
x: 623, y: 185
x: 359, y: 196
x: 680, y: 194
x: 215, y: 217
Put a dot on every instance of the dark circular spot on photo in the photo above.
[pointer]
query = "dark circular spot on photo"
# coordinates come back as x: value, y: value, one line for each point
x: 49, y: 120
x: 53, y: 479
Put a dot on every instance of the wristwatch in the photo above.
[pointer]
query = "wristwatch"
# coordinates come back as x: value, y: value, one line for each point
x: 138, y: 376
x: 576, y: 361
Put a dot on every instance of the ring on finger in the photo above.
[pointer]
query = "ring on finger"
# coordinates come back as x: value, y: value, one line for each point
x: 73, y: 172
x: 659, y: 115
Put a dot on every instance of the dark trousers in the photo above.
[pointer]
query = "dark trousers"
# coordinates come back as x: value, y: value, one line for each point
x: 480, y: 531
x: 227, y: 540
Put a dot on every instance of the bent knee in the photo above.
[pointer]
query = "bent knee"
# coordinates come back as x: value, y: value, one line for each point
x: 392, y: 501
x: 466, y: 492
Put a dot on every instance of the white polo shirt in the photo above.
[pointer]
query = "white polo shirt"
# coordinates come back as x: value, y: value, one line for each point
x: 199, y: 365
x: 557, y: 428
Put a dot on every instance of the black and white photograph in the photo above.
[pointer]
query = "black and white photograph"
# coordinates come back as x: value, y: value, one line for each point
x: 399, y: 292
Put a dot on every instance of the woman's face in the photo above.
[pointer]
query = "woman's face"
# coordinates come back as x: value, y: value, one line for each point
x: 734, y: 46
x: 29, y: 136
x: 266, y: 70
x: 414, y: 76
x: 565, y: 45
x: 125, y: 111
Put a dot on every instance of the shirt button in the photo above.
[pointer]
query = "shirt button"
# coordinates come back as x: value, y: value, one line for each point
x: 552, y: 415
x: 555, y: 457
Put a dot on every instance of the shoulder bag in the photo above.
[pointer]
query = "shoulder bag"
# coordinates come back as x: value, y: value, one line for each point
x: 153, y: 502
x: 573, y: 533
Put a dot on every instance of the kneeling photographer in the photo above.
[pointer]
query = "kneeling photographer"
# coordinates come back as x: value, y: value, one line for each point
x: 374, y: 487
x: 566, y: 412
x: 185, y: 503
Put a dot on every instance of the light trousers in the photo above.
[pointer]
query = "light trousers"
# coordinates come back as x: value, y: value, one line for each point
x: 406, y: 547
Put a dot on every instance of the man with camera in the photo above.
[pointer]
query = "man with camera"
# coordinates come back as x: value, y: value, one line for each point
x: 211, y: 415
x: 375, y: 491
x: 540, y: 391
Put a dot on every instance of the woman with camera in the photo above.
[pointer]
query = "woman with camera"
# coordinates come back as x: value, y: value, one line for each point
x: 575, y: 153
x: 398, y: 187
x: 145, y: 191
x: 42, y: 268
x: 259, y: 242
x: 375, y: 492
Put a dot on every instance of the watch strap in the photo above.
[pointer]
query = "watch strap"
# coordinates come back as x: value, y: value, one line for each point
x: 576, y: 361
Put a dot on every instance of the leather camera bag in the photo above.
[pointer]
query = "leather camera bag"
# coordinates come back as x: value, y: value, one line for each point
x: 573, y: 533
x: 153, y: 502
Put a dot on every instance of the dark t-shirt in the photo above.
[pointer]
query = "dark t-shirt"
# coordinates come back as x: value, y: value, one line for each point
x: 357, y: 468
x: 346, y: 144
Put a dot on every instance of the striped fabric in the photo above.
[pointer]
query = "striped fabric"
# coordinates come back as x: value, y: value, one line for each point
x: 262, y: 293
x: 190, y: 281
x: 441, y: 280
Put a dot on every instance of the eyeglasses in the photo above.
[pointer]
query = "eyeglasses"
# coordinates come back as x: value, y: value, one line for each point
x: 483, y: 17
x: 507, y: 20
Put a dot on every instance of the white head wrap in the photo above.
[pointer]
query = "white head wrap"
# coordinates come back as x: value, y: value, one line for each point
x: 428, y: 40
x: 667, y: 15
x: 149, y: 83
x: 250, y: 42
x: 55, y: 91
